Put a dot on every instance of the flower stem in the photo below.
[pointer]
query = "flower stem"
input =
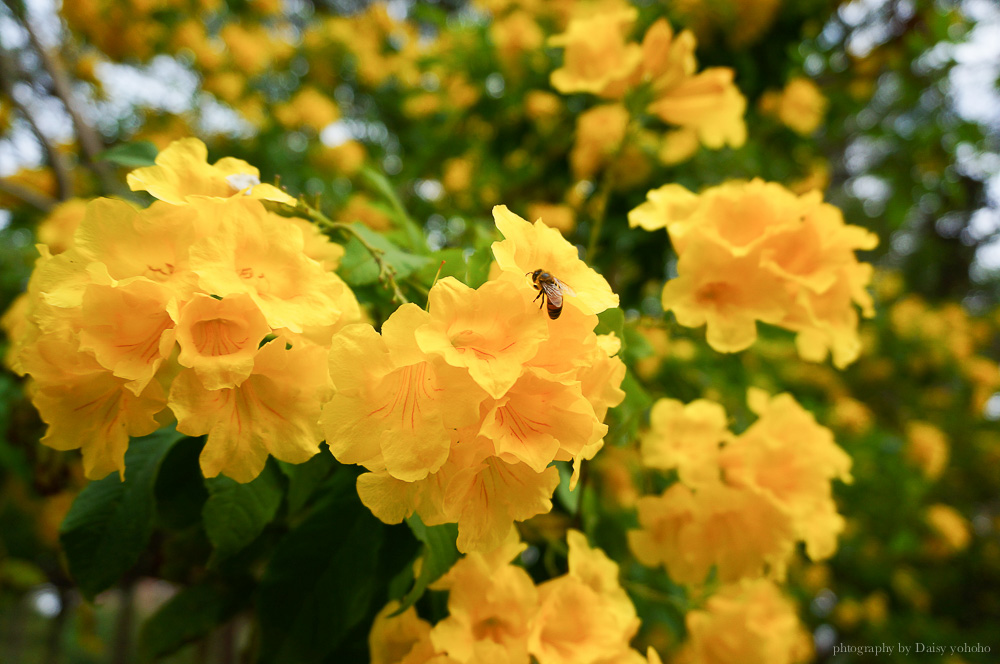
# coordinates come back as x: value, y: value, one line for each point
x: 386, y: 273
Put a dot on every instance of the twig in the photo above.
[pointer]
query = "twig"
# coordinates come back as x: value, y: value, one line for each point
x: 91, y: 144
x: 29, y: 196
x: 8, y: 73
x: 386, y: 273
x: 604, y: 192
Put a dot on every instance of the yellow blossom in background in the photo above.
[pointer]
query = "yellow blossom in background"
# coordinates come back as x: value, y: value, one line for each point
x: 599, y: 135
x: 560, y: 217
x: 309, y: 108
x: 774, y: 490
x: 597, y: 59
x: 792, y: 460
x: 747, y: 623
x: 58, y: 227
x: 686, y: 437
x: 753, y: 251
x: 183, y: 170
x: 400, y: 639
x: 950, y: 527
x: 801, y: 106
x: 927, y: 448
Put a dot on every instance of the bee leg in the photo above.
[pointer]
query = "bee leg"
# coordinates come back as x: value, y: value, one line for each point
x: 540, y: 293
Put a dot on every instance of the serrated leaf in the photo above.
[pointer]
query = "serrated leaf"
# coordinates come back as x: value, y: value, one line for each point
x: 438, y: 555
x: 110, y: 522
x: 321, y: 580
x: 359, y: 268
x: 131, y: 155
x: 236, y: 514
x: 191, y: 614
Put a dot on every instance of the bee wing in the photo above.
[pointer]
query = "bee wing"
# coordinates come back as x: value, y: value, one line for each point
x: 565, y: 289
x: 554, y: 291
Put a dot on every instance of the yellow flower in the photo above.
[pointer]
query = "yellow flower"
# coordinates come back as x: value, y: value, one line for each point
x: 584, y: 616
x: 310, y: 108
x: 726, y: 293
x: 951, y: 527
x: 395, y: 406
x: 85, y: 406
x: 528, y: 247
x: 58, y: 227
x: 789, y: 458
x: 747, y: 623
x: 182, y: 170
x: 686, y: 438
x: 927, y: 448
x: 274, y: 411
x: 219, y: 338
x: 597, y: 58
x: 560, y: 217
x: 491, y: 331
x: 514, y: 35
x: 491, y: 606
x: 800, y: 105
x: 753, y: 251
x: 401, y: 639
x: 741, y: 533
x: 599, y: 133
x: 127, y: 328
x: 263, y: 255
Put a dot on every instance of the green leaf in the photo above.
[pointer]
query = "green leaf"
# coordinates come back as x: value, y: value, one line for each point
x: 180, y: 488
x: 439, y: 554
x: 191, y: 614
x: 110, y: 522
x: 236, y: 514
x: 611, y: 320
x: 305, y: 478
x: 568, y: 499
x: 380, y: 185
x: 478, y: 270
x: 131, y: 155
x: 359, y: 268
x: 322, y: 578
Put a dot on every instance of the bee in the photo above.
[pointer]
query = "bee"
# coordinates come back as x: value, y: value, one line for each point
x: 551, y: 290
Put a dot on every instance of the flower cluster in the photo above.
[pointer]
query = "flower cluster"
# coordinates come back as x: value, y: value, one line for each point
x: 746, y: 623
x: 742, y: 501
x: 599, y: 59
x: 204, y: 303
x: 458, y: 412
x: 498, y: 614
x: 800, y: 106
x: 754, y: 251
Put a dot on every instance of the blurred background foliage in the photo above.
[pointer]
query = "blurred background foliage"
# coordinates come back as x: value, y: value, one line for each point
x: 452, y: 102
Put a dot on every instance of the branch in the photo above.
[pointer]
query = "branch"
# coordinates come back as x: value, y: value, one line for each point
x: 90, y: 142
x: 29, y: 196
x: 8, y: 74
x: 386, y: 273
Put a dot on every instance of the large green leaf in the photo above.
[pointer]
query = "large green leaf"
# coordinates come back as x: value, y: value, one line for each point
x: 322, y: 578
x: 191, y: 614
x: 236, y: 514
x: 439, y: 554
x: 110, y: 522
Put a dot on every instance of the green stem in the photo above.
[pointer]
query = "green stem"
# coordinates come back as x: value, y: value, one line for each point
x: 379, y: 183
x: 604, y: 192
x: 386, y: 273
